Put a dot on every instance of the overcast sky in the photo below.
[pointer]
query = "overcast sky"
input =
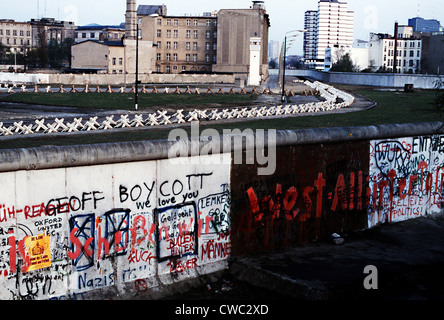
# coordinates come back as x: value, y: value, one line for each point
x: 285, y: 15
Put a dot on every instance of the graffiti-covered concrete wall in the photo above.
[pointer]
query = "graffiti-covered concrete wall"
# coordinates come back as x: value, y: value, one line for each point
x: 124, y: 220
x: 130, y: 226
x: 406, y: 178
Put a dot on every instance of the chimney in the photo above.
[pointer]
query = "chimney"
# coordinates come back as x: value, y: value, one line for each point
x: 131, y: 20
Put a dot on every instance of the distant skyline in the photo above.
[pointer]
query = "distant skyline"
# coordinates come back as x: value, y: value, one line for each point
x: 285, y: 15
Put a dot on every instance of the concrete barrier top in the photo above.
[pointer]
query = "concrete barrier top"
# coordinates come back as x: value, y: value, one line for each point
x: 49, y: 157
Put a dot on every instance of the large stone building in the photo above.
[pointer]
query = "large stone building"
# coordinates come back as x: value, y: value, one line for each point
x: 16, y: 36
x: 46, y: 29
x: 182, y: 43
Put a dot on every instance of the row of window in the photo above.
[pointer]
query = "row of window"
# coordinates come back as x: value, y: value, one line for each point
x: 15, y: 42
x: 175, y: 34
x: 412, y: 44
x: 175, y: 45
x: 195, y: 22
x: 398, y: 62
x: 391, y: 53
x: 7, y: 32
x: 175, y: 57
x: 176, y: 68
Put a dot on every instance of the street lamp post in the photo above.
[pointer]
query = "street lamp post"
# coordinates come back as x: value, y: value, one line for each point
x: 137, y: 68
x: 285, y: 60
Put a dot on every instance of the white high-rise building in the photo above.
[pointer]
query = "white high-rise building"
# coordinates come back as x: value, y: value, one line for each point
x: 331, y: 26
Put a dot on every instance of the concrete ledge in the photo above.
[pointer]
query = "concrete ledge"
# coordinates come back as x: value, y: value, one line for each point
x: 83, y: 155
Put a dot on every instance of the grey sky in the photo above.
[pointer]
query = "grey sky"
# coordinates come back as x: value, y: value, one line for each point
x: 285, y: 15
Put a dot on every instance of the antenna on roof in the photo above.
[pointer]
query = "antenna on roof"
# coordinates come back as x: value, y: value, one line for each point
x: 419, y: 9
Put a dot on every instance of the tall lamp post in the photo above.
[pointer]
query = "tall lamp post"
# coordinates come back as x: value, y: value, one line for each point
x: 285, y: 58
x: 137, y: 68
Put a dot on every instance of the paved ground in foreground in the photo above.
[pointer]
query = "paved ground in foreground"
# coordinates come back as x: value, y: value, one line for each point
x: 409, y: 257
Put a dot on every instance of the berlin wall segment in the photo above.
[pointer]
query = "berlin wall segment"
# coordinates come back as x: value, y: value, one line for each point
x: 67, y: 232
x: 75, y: 232
x: 316, y: 190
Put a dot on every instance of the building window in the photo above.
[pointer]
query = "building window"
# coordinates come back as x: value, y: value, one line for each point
x: 168, y: 69
x: 188, y: 34
x: 8, y: 32
x: 158, y: 68
x: 195, y: 57
x: 120, y: 61
x: 184, y: 68
x: 207, y: 58
x: 14, y: 33
x: 419, y: 54
x: 84, y: 35
x: 114, y: 61
x: 207, y: 46
x: 412, y: 53
x: 159, y: 45
x: 175, y: 45
x: 188, y: 45
x: 176, y: 34
x: 159, y: 33
x: 214, y: 59
x: 215, y: 46
x: 195, y: 34
x: 175, y: 57
x: 159, y: 22
x: 176, y: 22
x: 168, y: 33
x: 188, y: 22
x: 208, y: 34
x: 168, y: 45
x: 159, y: 57
x: 215, y: 34
x: 22, y: 33
x: 168, y: 22
x: 196, y: 23
x: 168, y: 57
x: 194, y: 45
x: 92, y: 35
x: 208, y: 23
x: 188, y: 57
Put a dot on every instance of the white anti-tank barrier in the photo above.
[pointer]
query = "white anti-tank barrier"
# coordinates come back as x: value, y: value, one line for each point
x: 334, y: 99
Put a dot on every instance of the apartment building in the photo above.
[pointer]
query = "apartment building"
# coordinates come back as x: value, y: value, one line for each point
x: 182, y: 43
x: 16, y: 36
x: 331, y: 25
x: 310, y: 25
x: 408, y: 51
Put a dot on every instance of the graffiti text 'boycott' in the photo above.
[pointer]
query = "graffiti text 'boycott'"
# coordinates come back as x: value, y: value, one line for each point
x: 208, y: 147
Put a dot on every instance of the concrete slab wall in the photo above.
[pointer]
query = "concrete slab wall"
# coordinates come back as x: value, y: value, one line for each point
x: 107, y: 79
x: 124, y: 220
x: 367, y: 79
